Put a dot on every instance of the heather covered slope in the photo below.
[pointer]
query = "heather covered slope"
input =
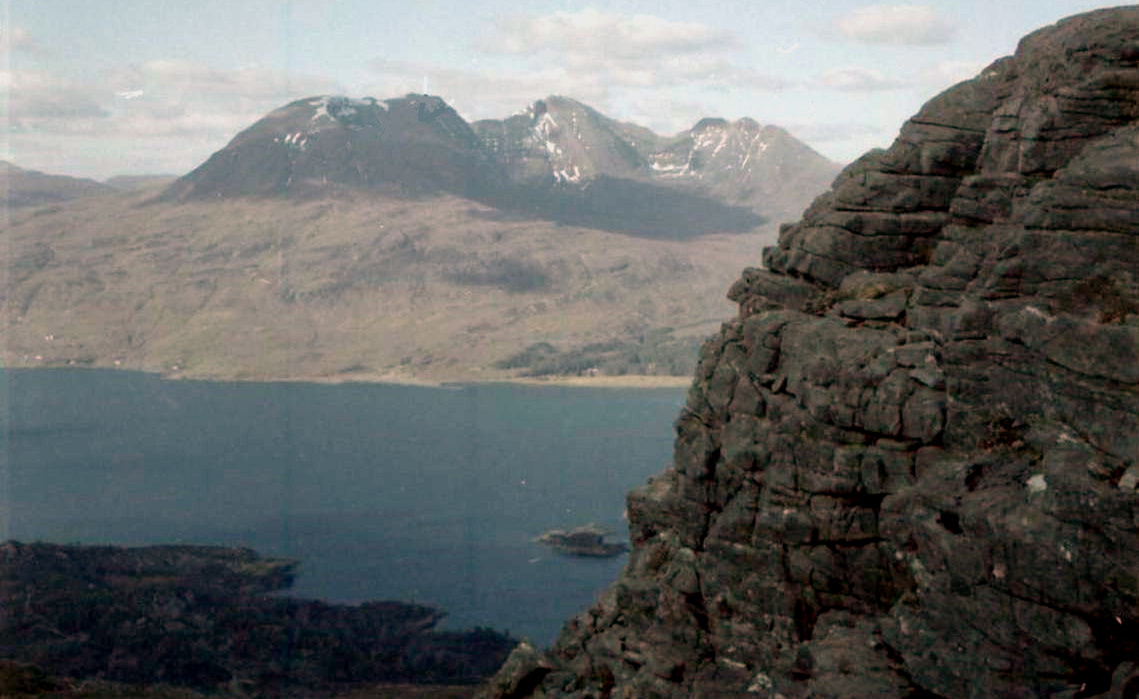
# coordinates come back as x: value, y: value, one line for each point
x: 353, y: 286
x: 908, y: 467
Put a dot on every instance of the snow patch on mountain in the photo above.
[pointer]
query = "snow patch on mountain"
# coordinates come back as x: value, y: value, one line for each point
x: 752, y: 149
x: 332, y: 108
x: 564, y: 176
x: 668, y: 169
x: 712, y: 146
x: 293, y: 140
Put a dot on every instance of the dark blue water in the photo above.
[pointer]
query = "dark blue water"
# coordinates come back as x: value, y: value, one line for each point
x: 383, y: 492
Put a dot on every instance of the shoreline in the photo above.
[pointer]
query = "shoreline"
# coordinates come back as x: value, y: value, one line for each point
x: 571, y: 381
x: 625, y: 381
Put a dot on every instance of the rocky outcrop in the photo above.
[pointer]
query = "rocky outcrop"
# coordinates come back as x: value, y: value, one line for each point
x: 909, y: 466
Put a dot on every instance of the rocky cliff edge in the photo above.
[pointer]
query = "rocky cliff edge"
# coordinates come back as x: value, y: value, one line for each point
x: 908, y: 467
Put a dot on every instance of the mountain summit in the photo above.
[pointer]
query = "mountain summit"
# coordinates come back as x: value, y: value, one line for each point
x: 744, y: 163
x: 414, y: 144
x: 559, y: 141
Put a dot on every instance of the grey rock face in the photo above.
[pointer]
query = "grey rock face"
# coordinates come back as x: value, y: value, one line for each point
x: 909, y: 466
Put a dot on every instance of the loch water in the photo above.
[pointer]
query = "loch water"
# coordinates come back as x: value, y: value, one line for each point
x: 423, y: 494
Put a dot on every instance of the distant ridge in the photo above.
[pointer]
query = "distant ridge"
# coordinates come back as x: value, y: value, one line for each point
x: 745, y: 163
x: 20, y: 188
x: 558, y: 140
x: 129, y: 183
x: 561, y: 141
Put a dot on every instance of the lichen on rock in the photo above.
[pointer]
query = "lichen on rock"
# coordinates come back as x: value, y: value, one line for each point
x: 907, y: 466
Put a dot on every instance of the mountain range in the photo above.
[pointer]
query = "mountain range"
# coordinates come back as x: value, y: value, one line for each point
x: 559, y: 159
x: 356, y: 238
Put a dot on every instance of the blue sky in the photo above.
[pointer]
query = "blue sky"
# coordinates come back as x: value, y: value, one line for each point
x: 97, y: 88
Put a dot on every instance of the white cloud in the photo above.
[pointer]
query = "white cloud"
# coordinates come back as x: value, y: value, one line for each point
x: 938, y: 75
x: 186, y: 110
x: 896, y: 24
x: 592, y: 31
x: 478, y: 94
x: 858, y: 79
x: 667, y: 116
x: 946, y: 73
x: 633, y: 51
x: 33, y: 96
x: 19, y: 39
x: 483, y: 94
x: 842, y: 142
x: 830, y: 132
x: 196, y: 81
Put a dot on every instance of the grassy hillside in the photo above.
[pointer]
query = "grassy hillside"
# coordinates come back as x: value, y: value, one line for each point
x: 352, y: 286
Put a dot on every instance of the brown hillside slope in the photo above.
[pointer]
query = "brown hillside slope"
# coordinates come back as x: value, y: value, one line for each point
x: 908, y: 466
x: 20, y: 188
x: 347, y: 286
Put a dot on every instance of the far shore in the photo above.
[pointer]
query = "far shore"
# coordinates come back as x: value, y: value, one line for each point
x: 624, y: 381
x: 399, y: 379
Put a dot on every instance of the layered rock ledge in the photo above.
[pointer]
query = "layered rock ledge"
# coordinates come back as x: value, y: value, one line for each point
x: 908, y: 467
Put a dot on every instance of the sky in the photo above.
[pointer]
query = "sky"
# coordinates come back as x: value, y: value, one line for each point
x: 98, y: 88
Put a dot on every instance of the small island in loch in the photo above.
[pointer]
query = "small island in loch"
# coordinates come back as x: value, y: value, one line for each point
x: 587, y: 540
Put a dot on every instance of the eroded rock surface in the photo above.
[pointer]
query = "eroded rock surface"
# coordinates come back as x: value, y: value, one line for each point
x: 909, y: 466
